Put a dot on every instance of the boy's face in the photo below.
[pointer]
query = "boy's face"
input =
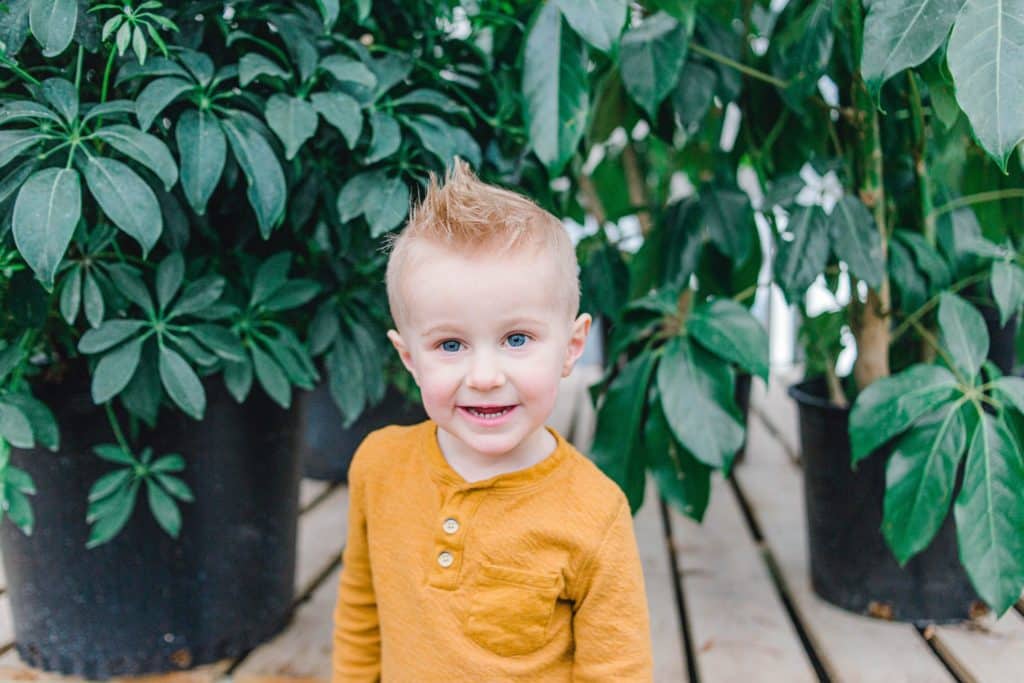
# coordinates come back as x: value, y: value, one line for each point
x: 484, y: 331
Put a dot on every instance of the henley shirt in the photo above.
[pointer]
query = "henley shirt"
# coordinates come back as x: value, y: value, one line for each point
x: 531, y: 575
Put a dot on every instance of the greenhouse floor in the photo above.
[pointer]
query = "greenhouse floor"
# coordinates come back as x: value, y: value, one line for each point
x: 740, y: 582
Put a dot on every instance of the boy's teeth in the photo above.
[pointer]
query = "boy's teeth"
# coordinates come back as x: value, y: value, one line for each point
x: 490, y: 414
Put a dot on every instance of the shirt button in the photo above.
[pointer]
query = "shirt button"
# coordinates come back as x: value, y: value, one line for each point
x: 450, y: 526
x: 445, y: 559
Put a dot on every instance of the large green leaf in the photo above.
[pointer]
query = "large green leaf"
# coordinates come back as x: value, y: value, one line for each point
x: 963, y: 334
x: 729, y: 331
x: 144, y: 148
x: 253, y: 65
x: 15, y: 427
x: 14, y: 143
x: 387, y: 205
x: 729, y: 221
x: 114, y: 370
x: 919, y: 482
x: 1007, y: 288
x: 345, y: 380
x: 899, y: 34
x: 616, y: 442
x: 342, y: 112
x: 652, y: 56
x: 801, y: 51
x: 436, y: 135
x: 203, y: 151
x: 801, y: 259
x: 46, y: 212
x: 990, y: 515
x: 555, y: 89
x: 598, y: 22
x: 986, y: 58
x: 697, y: 398
x: 682, y: 479
x: 109, y: 334
x: 292, y: 119
x: 62, y: 96
x: 44, y: 426
x: 155, y: 97
x: 126, y: 199
x: 387, y: 137
x: 891, y: 404
x: 164, y: 509
x: 53, y: 24
x: 271, y: 377
x: 855, y: 239
x: 14, y: 26
x: 181, y: 383
x: 267, y: 191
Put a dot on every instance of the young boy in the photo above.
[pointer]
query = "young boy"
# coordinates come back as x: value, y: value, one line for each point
x: 481, y: 545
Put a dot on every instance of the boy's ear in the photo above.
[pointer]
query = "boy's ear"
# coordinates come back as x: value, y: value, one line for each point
x: 403, y: 352
x: 577, y: 342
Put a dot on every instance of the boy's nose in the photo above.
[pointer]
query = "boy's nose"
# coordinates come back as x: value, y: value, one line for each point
x: 484, y: 373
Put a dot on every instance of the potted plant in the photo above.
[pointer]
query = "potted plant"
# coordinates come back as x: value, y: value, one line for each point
x: 867, y: 127
x: 679, y: 333
x: 190, y: 195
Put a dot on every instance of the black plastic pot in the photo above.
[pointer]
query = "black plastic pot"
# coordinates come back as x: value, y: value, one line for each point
x: 330, y: 447
x: 144, y: 602
x: 741, y: 394
x: 851, y: 565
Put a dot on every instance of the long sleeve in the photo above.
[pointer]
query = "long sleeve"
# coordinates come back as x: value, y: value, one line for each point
x: 357, y: 647
x: 610, y: 624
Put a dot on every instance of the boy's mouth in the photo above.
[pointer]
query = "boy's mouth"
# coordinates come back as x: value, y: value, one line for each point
x: 487, y: 411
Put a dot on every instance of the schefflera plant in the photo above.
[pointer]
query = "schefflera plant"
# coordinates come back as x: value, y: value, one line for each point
x: 940, y: 413
x: 671, y: 407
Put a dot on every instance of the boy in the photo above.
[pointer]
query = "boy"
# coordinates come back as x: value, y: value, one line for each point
x: 481, y: 545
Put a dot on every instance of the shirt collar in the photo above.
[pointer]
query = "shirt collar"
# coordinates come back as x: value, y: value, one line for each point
x: 523, y: 478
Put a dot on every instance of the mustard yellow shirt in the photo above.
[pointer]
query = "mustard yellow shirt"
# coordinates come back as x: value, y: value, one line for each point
x: 527, y: 576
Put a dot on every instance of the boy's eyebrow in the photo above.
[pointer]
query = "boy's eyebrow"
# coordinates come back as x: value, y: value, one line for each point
x: 505, y: 323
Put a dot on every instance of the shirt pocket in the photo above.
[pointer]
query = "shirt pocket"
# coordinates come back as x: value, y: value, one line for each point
x: 510, y: 609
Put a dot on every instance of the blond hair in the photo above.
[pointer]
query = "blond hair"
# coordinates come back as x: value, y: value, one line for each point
x: 468, y: 216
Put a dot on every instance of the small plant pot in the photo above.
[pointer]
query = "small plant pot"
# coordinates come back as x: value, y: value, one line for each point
x: 145, y: 602
x: 330, y: 446
x: 851, y: 565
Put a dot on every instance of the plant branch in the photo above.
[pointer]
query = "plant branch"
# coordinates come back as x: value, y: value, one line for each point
x: 930, y: 339
x: 931, y: 303
x: 636, y: 186
x: 9, y: 63
x: 979, y: 198
x: 742, y: 68
x: 117, y: 428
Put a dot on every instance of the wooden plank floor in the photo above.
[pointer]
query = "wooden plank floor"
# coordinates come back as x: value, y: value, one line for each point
x: 730, y: 600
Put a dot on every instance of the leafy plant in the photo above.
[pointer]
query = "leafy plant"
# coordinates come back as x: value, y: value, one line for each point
x: 196, y: 192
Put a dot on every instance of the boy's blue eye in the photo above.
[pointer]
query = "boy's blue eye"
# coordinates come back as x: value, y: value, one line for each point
x: 517, y: 335
x: 444, y: 345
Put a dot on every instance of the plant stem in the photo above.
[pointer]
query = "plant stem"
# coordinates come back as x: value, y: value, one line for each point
x: 6, y: 61
x: 979, y: 198
x: 636, y: 186
x: 930, y: 339
x: 78, y: 67
x: 106, y: 79
x: 931, y: 303
x: 870, y: 322
x: 742, y: 68
x: 117, y: 428
x: 920, y: 167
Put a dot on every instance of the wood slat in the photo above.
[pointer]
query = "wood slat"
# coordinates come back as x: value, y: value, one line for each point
x: 739, y: 626
x: 778, y: 410
x: 310, y: 490
x: 666, y: 625
x: 322, y: 533
x: 851, y: 648
x: 987, y: 650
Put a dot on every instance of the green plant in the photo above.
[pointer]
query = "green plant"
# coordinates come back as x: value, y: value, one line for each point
x: 896, y: 224
x: 881, y: 137
x: 195, y: 192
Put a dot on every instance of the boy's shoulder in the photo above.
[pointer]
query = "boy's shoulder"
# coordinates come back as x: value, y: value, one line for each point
x: 387, y: 443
